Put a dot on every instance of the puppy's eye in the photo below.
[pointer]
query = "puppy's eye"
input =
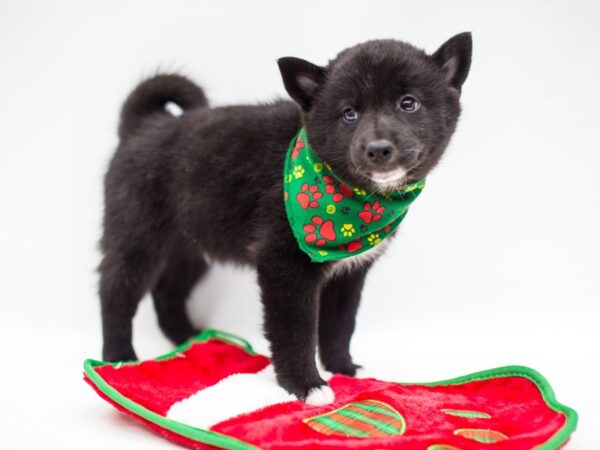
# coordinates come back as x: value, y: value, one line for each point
x: 350, y: 115
x: 409, y: 104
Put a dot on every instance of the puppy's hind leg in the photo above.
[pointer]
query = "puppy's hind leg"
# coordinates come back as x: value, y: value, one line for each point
x: 179, y: 276
x: 136, y: 237
x: 125, y: 276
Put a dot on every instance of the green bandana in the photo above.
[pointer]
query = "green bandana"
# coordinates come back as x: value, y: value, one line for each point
x: 330, y: 219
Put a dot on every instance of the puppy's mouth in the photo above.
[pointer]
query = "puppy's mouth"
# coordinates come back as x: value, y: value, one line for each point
x: 389, y: 180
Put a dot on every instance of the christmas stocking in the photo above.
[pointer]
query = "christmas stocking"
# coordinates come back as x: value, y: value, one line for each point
x: 216, y: 392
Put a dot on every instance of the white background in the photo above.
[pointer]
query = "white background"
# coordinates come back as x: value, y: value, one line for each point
x: 497, y: 263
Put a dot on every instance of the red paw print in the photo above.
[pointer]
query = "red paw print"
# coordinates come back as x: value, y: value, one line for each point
x: 319, y: 231
x: 309, y: 197
x: 336, y: 194
x: 299, y: 146
x: 352, y: 246
x: 371, y: 213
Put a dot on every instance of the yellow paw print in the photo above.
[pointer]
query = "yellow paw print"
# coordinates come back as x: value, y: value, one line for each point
x: 330, y: 209
x: 374, y: 239
x: 360, y: 191
x: 323, y: 252
x: 318, y: 167
x: 298, y: 172
x: 347, y: 229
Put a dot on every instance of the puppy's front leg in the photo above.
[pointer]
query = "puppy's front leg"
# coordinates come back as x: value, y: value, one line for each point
x: 290, y: 284
x: 338, y: 307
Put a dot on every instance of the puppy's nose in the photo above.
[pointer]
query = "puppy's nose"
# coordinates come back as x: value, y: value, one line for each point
x: 380, y: 151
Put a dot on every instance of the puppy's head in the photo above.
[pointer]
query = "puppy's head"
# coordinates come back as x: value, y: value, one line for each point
x: 381, y: 113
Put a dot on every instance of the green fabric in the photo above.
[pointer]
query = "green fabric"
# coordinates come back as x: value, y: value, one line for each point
x: 330, y: 219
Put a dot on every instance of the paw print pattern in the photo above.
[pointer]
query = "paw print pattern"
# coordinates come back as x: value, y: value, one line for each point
x: 309, y: 197
x: 385, y: 229
x: 319, y: 231
x: 374, y: 239
x: 337, y: 194
x: 371, y: 212
x: 347, y: 229
x: 352, y: 246
x: 298, y: 172
x: 299, y: 146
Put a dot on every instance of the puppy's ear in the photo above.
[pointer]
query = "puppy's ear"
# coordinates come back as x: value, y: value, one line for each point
x: 454, y: 57
x: 301, y: 79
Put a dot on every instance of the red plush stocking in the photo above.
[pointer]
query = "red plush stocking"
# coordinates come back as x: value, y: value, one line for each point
x: 215, y: 391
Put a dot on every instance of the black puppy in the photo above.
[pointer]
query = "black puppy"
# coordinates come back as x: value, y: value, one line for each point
x: 208, y: 184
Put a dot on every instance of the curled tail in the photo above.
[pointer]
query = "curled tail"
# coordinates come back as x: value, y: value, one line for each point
x: 151, y: 96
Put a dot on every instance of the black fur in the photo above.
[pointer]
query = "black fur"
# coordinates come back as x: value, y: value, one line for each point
x: 210, y: 183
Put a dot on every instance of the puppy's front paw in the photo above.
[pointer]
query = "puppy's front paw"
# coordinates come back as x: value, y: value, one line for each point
x: 119, y: 354
x: 344, y: 369
x: 314, y: 392
x: 319, y: 396
x: 342, y: 364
